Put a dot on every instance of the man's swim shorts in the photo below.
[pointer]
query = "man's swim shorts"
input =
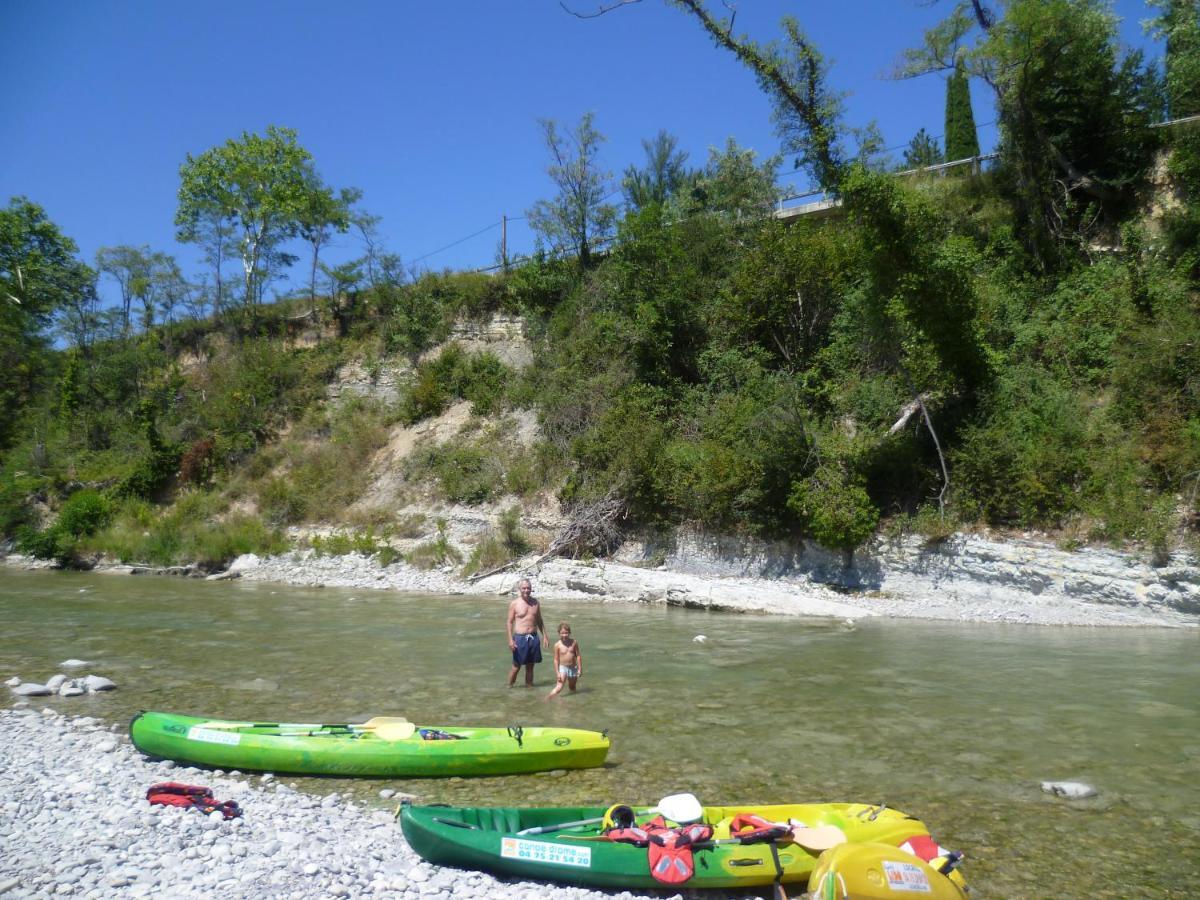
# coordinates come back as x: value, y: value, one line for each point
x: 528, y: 649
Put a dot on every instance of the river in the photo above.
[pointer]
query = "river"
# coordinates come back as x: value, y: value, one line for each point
x: 956, y: 724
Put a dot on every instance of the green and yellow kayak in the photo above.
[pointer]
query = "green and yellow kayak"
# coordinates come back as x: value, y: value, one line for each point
x: 570, y: 845
x: 378, y: 748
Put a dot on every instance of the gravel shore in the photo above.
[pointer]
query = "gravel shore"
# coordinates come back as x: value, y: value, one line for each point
x: 74, y: 821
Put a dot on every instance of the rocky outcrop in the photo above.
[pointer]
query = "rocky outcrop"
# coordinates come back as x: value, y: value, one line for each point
x: 965, y: 567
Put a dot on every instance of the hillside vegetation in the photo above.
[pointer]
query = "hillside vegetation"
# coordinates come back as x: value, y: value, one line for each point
x: 1003, y: 350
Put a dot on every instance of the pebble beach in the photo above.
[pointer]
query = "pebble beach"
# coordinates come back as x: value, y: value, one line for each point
x: 74, y: 821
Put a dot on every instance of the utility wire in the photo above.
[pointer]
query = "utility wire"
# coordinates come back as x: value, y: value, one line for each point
x: 459, y: 241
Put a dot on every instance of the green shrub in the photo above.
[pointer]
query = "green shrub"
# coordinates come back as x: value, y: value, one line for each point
x: 436, y: 552
x: 465, y: 473
x: 1024, y: 461
x: 281, y: 502
x: 14, y: 510
x: 835, y: 508
x: 505, y: 542
x: 479, y: 378
x: 366, y: 542
x: 84, y: 513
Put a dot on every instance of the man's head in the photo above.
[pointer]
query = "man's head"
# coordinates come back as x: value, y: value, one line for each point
x: 524, y: 588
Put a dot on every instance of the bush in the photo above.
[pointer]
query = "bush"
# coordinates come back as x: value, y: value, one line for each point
x: 465, y: 473
x: 835, y: 508
x: 505, y: 542
x: 1024, y: 461
x: 437, y: 552
x: 84, y: 513
x: 341, y: 543
x: 480, y: 378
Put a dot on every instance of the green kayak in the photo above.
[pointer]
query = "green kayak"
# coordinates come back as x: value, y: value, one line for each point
x: 379, y: 748
x: 570, y: 845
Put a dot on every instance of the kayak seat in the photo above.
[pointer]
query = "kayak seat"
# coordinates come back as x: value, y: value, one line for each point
x: 721, y: 829
x: 501, y: 818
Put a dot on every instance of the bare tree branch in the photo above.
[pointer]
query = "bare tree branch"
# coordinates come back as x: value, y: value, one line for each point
x: 600, y: 10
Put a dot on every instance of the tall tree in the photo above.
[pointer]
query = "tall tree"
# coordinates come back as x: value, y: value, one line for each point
x: 794, y: 75
x: 664, y: 173
x: 217, y: 239
x: 321, y: 215
x: 579, y: 215
x: 1072, y: 107
x: 962, y: 140
x: 39, y: 276
x: 260, y: 184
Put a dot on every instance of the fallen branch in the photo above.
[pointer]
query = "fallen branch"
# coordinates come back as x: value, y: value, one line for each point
x: 593, y: 529
x: 907, y: 413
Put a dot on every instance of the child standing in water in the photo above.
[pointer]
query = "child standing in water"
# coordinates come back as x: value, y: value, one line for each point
x: 568, y: 660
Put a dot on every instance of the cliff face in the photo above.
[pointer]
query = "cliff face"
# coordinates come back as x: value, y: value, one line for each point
x: 969, y: 576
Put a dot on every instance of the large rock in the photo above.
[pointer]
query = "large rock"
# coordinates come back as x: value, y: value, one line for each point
x: 56, y: 682
x: 73, y: 663
x: 93, y: 684
x: 244, y: 563
x: 29, y: 689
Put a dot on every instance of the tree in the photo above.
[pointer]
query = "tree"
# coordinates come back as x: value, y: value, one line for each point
x: 734, y: 184
x: 793, y: 74
x: 1179, y: 23
x: 1073, y: 110
x: 664, y: 174
x: 39, y: 276
x: 962, y: 141
x: 150, y: 277
x: 321, y: 214
x: 579, y: 216
x: 217, y: 239
x: 260, y: 184
x: 922, y: 151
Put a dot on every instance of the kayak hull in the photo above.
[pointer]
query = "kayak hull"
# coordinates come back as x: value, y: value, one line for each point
x: 486, y: 838
x: 350, y: 751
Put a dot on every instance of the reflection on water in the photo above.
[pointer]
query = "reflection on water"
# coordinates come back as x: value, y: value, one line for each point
x: 954, y: 723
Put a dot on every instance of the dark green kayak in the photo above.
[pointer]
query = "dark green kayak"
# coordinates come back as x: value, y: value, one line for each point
x: 491, y: 839
x: 387, y: 748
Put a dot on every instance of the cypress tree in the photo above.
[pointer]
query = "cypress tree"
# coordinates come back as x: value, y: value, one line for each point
x: 961, y: 139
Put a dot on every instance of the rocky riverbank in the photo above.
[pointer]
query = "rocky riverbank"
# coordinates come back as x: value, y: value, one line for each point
x: 968, y: 578
x: 74, y: 821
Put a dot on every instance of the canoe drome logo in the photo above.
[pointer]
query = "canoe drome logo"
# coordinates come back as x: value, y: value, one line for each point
x: 543, y: 852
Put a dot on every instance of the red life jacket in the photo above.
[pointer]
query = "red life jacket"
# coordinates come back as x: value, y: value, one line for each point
x: 751, y: 829
x: 193, y: 796
x: 669, y: 849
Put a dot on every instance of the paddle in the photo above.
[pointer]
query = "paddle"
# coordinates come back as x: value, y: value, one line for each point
x: 392, y: 731
x: 387, y: 728
x: 819, y: 838
x: 681, y: 808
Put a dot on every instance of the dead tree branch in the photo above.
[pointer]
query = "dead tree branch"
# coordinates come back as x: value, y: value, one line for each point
x: 594, y: 528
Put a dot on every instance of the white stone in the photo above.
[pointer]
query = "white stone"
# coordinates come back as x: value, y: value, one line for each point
x: 96, y: 683
x: 29, y: 689
x: 73, y: 663
x: 1071, y: 790
x: 13, y: 682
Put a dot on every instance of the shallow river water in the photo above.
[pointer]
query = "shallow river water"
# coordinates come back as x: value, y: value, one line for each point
x: 956, y: 724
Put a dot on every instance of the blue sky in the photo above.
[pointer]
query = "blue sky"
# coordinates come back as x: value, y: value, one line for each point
x: 429, y: 106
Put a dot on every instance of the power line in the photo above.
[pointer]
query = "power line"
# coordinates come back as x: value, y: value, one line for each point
x: 459, y: 241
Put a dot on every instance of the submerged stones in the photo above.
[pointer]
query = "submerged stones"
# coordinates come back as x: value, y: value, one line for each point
x: 62, y: 685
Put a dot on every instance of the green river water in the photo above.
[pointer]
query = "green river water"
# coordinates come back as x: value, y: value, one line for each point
x: 956, y: 724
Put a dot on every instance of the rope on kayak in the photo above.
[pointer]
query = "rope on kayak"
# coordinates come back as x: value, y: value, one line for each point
x: 516, y: 731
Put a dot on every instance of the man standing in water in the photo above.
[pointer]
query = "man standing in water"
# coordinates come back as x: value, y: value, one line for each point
x: 524, y: 623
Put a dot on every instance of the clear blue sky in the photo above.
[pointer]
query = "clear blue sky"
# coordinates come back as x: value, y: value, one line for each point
x: 429, y: 106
